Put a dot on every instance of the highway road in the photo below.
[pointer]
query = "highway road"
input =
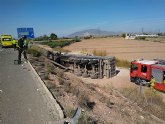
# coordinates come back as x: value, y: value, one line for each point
x: 23, y: 100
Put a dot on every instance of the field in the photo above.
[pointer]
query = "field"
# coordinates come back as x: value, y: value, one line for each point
x: 122, y: 48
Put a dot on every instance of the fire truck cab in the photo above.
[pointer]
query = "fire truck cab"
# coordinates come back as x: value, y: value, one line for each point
x: 144, y: 70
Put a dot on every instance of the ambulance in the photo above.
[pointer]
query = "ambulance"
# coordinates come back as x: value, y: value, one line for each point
x: 6, y: 40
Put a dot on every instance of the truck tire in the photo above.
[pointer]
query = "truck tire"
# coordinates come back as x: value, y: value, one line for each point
x: 132, y: 79
x: 137, y: 80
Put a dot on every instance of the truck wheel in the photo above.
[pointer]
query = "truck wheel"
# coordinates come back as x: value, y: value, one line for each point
x: 137, y: 81
x: 132, y: 79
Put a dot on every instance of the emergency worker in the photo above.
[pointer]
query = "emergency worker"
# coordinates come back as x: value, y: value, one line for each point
x: 164, y: 81
x: 22, y: 48
x: 14, y: 44
x: 152, y: 84
x: 164, y: 78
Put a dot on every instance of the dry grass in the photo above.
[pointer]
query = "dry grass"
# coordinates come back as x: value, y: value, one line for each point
x: 160, y: 39
x: 84, y: 51
x: 99, y: 52
x: 35, y: 51
x: 60, y: 49
x: 147, y: 99
x: 122, y: 63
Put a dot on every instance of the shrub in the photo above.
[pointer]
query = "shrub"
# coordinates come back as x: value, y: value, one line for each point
x: 84, y: 118
x: 68, y: 112
x: 122, y: 63
x: 61, y: 44
x: 85, y: 102
x: 46, y: 76
x: 99, y: 53
x: 76, y: 39
x: 60, y: 49
x: 123, y: 35
x: 140, y: 38
x: 34, y: 51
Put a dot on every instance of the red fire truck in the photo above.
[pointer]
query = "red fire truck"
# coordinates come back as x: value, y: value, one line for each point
x: 142, y: 71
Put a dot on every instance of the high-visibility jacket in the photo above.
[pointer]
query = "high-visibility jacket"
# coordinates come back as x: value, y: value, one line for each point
x: 152, y: 82
x: 25, y: 43
x: 164, y: 81
x: 14, y: 41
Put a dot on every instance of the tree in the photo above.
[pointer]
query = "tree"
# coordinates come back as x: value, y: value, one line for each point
x: 123, y: 35
x: 53, y: 36
x: 45, y: 37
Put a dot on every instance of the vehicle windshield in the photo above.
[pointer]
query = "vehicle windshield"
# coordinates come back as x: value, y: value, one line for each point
x: 134, y: 67
x: 6, y: 39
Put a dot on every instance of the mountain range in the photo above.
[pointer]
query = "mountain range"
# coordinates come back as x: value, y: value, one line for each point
x: 93, y: 32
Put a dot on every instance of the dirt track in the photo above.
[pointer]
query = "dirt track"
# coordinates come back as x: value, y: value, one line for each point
x: 121, y: 48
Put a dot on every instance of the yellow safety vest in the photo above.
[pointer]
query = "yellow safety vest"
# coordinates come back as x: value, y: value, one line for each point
x: 25, y: 43
x: 152, y: 82
x: 14, y: 41
x: 163, y: 81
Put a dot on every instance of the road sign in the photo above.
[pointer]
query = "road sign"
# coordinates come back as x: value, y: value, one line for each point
x: 28, y: 32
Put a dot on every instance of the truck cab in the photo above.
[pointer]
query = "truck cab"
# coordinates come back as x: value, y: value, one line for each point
x: 141, y: 70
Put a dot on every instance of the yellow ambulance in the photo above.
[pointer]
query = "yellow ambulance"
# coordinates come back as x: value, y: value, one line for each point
x: 6, y: 40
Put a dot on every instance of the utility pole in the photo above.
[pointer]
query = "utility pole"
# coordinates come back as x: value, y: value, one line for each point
x: 142, y: 30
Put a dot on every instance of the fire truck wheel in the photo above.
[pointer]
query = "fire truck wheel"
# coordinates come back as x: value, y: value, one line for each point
x: 137, y: 80
x: 132, y: 79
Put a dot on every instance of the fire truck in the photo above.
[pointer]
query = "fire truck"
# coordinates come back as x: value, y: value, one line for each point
x: 142, y: 71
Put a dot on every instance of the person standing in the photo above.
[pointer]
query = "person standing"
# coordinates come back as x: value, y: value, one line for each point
x: 14, y: 44
x: 22, y: 48
x: 164, y: 77
x: 152, y: 84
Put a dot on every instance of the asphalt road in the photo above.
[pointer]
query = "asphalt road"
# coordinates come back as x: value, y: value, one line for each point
x: 22, y: 98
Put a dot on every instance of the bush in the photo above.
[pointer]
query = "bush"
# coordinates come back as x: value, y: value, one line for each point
x: 34, y: 51
x: 53, y: 36
x: 123, y: 35
x: 122, y: 63
x: 76, y: 39
x: 61, y: 44
x: 99, y: 53
x: 140, y: 38
x: 84, y: 118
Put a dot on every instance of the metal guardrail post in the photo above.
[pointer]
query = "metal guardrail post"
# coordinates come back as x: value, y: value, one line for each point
x: 73, y: 120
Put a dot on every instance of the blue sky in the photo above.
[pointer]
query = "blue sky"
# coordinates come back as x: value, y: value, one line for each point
x: 64, y: 17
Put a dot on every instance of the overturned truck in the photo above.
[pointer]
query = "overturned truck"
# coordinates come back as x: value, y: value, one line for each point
x: 84, y: 65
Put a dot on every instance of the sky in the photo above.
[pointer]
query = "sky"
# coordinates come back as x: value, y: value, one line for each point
x: 64, y: 17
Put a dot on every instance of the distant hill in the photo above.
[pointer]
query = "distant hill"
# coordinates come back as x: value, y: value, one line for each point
x: 93, y: 32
